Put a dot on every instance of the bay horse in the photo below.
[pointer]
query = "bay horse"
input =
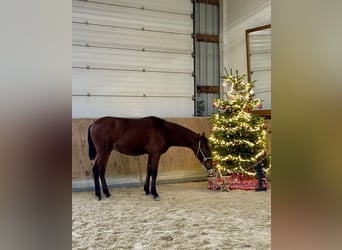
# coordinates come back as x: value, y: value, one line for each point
x: 138, y: 136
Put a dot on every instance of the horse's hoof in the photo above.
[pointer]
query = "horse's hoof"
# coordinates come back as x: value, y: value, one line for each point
x: 156, y: 198
x: 147, y: 194
x: 100, y: 198
x: 108, y: 195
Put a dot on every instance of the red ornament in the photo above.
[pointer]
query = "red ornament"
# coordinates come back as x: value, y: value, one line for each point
x: 248, y: 108
x: 260, y: 106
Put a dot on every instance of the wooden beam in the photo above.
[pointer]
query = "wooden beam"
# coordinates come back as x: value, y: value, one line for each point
x: 263, y: 27
x: 265, y: 113
x: 213, y: 2
x: 208, y: 89
x: 207, y: 38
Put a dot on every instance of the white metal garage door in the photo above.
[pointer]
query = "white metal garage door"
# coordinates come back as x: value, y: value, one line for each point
x: 132, y: 58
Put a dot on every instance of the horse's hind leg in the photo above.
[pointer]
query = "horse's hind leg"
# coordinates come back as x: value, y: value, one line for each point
x: 99, y: 171
x: 103, y: 172
x: 104, y: 185
x: 148, y: 175
x: 96, y: 180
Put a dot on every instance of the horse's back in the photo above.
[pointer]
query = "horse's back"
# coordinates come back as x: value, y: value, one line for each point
x: 131, y: 135
x: 149, y: 122
x: 106, y: 125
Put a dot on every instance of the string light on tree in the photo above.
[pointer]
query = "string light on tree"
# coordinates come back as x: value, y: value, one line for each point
x: 238, y: 138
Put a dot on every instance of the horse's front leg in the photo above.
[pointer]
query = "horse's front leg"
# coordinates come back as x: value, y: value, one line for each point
x: 148, y: 175
x: 153, y: 184
x: 154, y: 170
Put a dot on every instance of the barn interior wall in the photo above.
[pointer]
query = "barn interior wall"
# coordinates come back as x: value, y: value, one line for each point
x: 132, y: 58
x: 235, y: 17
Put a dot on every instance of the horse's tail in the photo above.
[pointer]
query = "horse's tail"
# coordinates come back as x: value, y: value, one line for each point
x: 92, y: 149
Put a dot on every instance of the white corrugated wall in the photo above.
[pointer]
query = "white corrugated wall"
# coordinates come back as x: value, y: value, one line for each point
x: 260, y: 61
x: 132, y: 58
x: 238, y: 16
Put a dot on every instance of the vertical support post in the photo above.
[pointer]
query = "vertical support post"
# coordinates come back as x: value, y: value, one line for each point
x: 194, y: 16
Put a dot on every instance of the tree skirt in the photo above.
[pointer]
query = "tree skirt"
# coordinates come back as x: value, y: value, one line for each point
x: 234, y: 182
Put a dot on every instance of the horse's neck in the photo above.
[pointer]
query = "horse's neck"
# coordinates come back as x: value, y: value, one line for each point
x: 183, y: 137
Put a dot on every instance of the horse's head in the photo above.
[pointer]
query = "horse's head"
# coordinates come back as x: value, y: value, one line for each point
x: 204, y: 152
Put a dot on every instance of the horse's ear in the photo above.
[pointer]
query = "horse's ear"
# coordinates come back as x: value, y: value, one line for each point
x: 203, y: 134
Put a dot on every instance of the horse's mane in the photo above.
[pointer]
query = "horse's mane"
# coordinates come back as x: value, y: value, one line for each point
x: 174, y: 127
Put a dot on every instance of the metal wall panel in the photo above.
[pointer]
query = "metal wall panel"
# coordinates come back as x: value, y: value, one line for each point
x: 208, y: 21
x: 122, y: 16
x: 118, y: 59
x: 260, y: 61
x: 208, y: 64
x: 122, y: 38
x: 176, y: 6
x: 97, y: 106
x: 132, y: 58
x: 207, y: 56
x: 107, y: 82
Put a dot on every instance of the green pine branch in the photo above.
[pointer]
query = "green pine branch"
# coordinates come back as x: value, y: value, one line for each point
x: 238, y: 137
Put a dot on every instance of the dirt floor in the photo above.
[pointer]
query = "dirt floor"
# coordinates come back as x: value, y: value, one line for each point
x: 188, y: 216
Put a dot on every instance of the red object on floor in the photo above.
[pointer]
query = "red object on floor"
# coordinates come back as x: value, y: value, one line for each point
x: 234, y: 182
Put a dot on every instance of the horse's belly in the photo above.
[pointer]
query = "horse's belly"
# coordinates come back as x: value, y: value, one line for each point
x: 128, y: 150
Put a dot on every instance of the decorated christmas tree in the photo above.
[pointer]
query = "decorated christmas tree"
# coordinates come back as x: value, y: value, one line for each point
x: 238, y: 138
